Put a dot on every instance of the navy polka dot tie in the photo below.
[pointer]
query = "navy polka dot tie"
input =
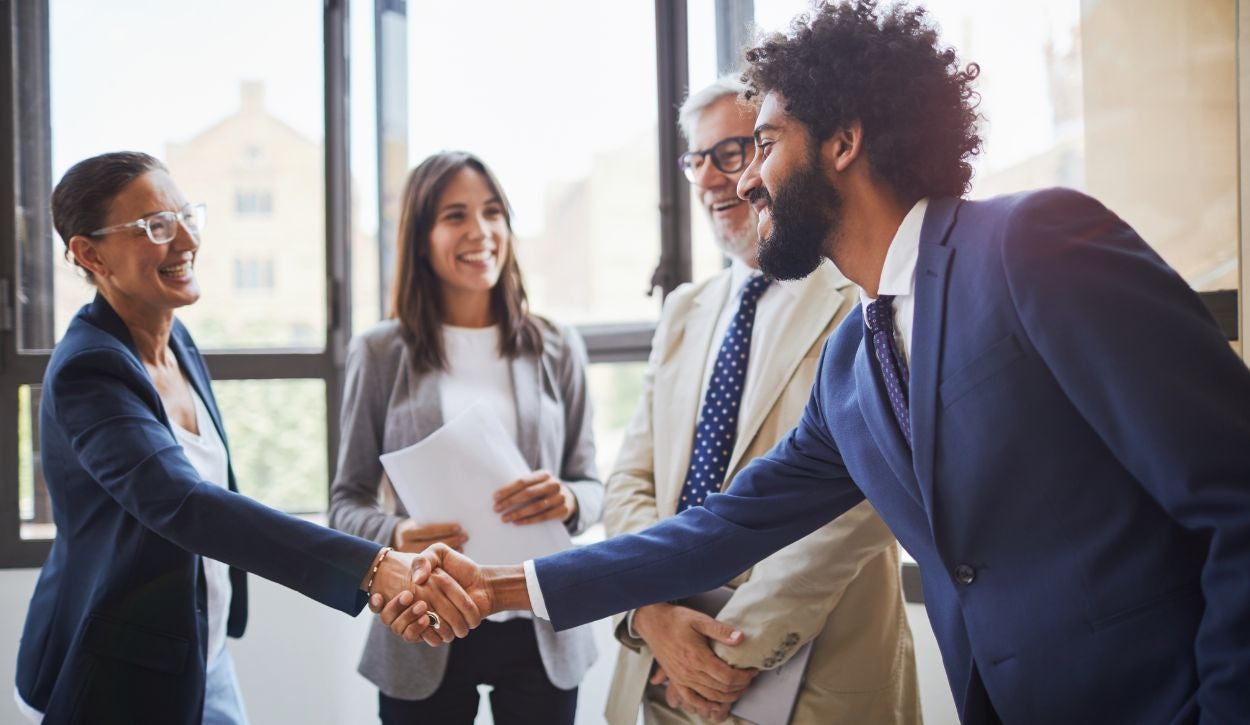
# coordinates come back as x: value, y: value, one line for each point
x: 880, y: 320
x: 717, y: 430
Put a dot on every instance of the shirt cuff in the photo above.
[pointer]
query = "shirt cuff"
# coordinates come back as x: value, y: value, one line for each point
x: 629, y: 624
x: 536, y: 592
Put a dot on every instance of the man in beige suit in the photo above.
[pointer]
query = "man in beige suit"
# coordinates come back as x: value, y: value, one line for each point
x: 838, y: 587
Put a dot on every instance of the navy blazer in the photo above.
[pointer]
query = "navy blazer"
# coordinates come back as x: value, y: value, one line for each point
x: 1079, y: 496
x: 116, y: 628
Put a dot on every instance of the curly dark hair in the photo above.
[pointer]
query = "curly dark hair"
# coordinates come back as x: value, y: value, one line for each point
x: 849, y: 61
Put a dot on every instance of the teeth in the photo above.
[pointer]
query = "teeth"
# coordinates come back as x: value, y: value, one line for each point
x: 477, y: 256
x: 178, y: 270
x: 722, y: 206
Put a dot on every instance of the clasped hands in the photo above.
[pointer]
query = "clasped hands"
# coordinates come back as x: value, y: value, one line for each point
x: 437, y: 577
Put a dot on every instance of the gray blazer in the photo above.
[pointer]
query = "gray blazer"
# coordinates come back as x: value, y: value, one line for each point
x: 387, y: 406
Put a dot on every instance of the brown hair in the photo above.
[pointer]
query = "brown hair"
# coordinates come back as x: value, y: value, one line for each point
x: 82, y: 198
x: 416, y: 292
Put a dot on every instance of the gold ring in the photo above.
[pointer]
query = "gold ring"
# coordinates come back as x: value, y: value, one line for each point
x: 435, y: 622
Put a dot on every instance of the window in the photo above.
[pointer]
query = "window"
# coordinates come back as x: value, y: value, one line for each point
x: 253, y: 202
x: 1134, y: 103
x: 253, y: 274
x: 294, y: 216
x: 251, y: 127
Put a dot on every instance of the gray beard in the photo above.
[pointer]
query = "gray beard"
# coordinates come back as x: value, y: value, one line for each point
x: 744, y: 244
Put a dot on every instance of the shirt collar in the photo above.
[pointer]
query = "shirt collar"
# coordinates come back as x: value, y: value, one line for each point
x: 898, y: 274
x: 739, y: 271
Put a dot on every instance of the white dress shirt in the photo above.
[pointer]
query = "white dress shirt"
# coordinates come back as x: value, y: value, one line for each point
x: 898, y: 278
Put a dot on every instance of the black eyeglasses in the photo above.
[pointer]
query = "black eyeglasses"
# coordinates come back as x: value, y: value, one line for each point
x: 729, y: 156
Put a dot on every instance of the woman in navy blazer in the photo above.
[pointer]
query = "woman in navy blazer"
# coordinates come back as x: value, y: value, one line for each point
x: 147, y: 566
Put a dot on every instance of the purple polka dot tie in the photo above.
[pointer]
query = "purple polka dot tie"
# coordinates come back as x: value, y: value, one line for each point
x: 717, y: 430
x: 880, y: 320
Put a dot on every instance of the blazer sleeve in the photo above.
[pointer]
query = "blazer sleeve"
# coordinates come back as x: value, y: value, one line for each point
x: 790, y: 595
x: 780, y: 497
x: 354, y: 493
x: 1138, y: 354
x: 578, y: 469
x: 101, y: 399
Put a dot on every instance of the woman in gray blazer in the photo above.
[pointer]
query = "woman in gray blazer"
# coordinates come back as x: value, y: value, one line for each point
x: 460, y: 333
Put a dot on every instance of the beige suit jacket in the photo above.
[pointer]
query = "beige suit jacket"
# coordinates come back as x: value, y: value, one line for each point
x: 839, y: 586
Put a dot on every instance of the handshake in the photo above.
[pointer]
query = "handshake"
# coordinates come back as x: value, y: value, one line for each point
x: 440, y: 594
x: 459, y: 594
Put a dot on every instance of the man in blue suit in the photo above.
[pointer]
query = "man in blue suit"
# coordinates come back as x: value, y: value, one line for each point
x: 1041, y: 410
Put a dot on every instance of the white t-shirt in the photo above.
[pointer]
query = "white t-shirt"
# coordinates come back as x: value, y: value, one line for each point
x: 476, y: 371
x: 207, y: 454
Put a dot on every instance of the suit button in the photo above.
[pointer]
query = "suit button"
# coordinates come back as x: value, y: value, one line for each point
x: 965, y: 574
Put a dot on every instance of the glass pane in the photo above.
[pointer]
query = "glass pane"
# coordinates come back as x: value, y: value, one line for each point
x: 277, y: 436
x: 240, y: 127
x: 1085, y: 94
x: 33, y: 504
x: 614, y: 391
x: 574, y: 145
x: 706, y: 258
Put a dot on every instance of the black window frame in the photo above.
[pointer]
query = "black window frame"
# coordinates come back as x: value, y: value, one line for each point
x: 24, y: 87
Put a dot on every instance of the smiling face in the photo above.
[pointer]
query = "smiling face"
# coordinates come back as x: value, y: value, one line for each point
x: 799, y: 207
x: 469, y: 242
x: 733, y: 220
x: 133, y: 273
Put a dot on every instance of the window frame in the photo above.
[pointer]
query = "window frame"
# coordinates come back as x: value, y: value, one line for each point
x: 24, y: 64
x: 27, y: 33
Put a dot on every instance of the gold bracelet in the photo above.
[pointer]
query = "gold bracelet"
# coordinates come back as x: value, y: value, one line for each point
x: 374, y: 572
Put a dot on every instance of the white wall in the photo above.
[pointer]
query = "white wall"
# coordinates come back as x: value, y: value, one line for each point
x: 297, y: 662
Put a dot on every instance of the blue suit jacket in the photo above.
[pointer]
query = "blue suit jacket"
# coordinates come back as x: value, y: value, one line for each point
x: 117, y: 626
x: 1079, y: 495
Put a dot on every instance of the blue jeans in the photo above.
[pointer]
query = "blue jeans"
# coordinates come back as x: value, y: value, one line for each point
x: 223, y: 703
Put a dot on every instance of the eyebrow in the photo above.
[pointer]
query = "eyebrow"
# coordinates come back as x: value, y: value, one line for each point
x: 460, y: 205
x: 763, y: 127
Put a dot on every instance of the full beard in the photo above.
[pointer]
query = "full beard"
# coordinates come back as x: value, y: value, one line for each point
x: 806, y: 212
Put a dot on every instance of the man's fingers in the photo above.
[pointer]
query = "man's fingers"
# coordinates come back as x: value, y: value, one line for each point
x: 376, y: 602
x: 717, y: 630
x: 460, y: 599
x: 660, y: 676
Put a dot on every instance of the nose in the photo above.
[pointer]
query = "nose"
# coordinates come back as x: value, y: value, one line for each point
x: 481, y: 230
x: 750, y: 179
x: 708, y: 177
x: 183, y: 239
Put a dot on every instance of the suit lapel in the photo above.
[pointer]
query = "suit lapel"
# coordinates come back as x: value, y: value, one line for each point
x: 804, y: 321
x: 932, y: 270
x: 677, y: 395
x: 191, y: 363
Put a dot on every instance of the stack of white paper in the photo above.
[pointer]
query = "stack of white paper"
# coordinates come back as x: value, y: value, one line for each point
x: 452, y: 476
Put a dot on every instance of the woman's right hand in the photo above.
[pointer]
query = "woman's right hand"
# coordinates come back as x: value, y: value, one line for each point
x: 415, y: 538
